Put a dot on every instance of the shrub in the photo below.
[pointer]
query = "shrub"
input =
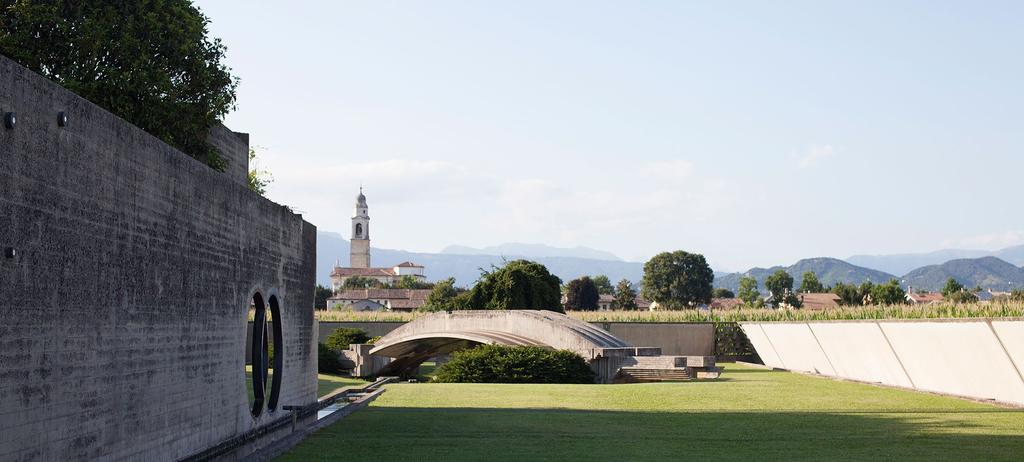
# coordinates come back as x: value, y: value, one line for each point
x: 340, y: 339
x: 327, y: 361
x: 514, y: 364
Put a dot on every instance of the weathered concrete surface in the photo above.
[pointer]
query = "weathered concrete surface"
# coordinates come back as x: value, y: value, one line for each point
x: 860, y: 351
x: 683, y: 339
x: 123, y: 315
x: 530, y: 327
x: 975, y: 358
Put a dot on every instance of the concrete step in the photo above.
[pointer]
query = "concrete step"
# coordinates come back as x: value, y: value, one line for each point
x: 638, y: 374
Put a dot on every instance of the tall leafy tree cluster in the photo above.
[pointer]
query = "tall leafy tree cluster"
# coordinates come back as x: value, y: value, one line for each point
x: 780, y: 283
x: 444, y: 297
x: 889, y: 293
x: 810, y: 284
x: 151, y: 62
x: 603, y: 284
x: 519, y: 285
x: 748, y: 291
x: 677, y: 279
x: 581, y: 294
x: 625, y: 296
x: 952, y: 286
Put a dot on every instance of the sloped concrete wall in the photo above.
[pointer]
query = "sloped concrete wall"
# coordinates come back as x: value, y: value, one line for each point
x: 859, y: 351
x: 123, y: 313
x: 977, y: 358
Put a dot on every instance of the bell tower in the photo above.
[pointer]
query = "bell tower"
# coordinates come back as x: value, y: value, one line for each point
x: 360, y: 243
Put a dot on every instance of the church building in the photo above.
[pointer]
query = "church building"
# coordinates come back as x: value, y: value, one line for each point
x: 359, y: 255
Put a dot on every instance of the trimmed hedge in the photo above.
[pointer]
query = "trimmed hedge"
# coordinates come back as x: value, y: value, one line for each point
x: 341, y: 338
x: 327, y: 361
x: 514, y: 364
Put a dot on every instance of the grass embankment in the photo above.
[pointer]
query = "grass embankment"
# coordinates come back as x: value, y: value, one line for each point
x: 325, y: 384
x: 750, y: 414
x: 945, y: 310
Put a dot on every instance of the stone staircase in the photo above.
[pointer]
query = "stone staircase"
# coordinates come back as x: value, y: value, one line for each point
x: 642, y: 374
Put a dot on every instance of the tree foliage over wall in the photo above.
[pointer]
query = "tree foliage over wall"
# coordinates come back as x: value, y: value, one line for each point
x: 444, y: 297
x: 150, y: 62
x: 519, y: 285
x: 677, y: 279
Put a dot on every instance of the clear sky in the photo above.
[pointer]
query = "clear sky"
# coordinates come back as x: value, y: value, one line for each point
x: 756, y: 133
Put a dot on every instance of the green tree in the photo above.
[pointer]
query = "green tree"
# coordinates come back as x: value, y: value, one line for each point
x: 581, y: 294
x: 848, y: 294
x: 259, y: 179
x: 867, y: 291
x: 604, y: 285
x: 810, y: 284
x: 150, y: 62
x: 779, y: 282
x: 519, y: 285
x: 342, y: 337
x: 320, y: 296
x: 359, y: 282
x: 748, y: 291
x: 625, y: 296
x: 677, y: 279
x: 409, y: 282
x: 889, y: 293
x: 952, y: 286
x: 442, y: 297
x: 721, y: 292
x: 962, y: 296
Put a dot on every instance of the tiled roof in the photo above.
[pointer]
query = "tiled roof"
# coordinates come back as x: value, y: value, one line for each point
x: 725, y: 303
x: 928, y: 297
x: 408, y: 264
x: 818, y: 301
x: 349, y: 272
x: 382, y: 294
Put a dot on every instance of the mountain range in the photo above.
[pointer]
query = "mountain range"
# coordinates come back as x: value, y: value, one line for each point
x: 907, y: 262
x: 465, y: 263
x: 971, y: 268
x: 828, y: 270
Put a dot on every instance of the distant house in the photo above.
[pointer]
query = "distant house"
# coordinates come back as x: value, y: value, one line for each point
x: 725, y: 303
x: 378, y: 299
x: 818, y: 301
x: 924, y: 298
x: 606, y: 302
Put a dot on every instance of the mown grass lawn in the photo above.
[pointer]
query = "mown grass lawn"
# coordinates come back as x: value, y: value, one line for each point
x: 326, y: 383
x: 750, y: 414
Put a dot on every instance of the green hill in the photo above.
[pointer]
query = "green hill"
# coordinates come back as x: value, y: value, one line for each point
x: 986, y: 272
x: 828, y: 270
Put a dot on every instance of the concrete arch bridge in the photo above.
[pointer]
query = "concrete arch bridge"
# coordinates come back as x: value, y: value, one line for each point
x: 403, y: 350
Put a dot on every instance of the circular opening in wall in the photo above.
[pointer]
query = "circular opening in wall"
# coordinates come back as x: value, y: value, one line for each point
x: 256, y: 344
x: 276, y: 353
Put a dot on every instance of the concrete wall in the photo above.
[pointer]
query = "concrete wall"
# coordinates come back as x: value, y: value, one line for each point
x: 975, y: 358
x: 123, y: 313
x: 682, y: 339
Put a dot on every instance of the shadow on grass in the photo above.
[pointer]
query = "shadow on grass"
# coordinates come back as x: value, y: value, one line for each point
x: 452, y: 434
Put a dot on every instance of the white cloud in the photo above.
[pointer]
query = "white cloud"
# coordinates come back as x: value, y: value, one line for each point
x: 814, y: 154
x: 990, y: 241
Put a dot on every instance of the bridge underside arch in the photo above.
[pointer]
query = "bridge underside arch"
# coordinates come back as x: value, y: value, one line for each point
x: 409, y: 352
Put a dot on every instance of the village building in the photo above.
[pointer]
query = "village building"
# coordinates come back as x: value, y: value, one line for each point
x: 359, y: 255
x: 818, y: 301
x: 915, y: 298
x: 378, y: 299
